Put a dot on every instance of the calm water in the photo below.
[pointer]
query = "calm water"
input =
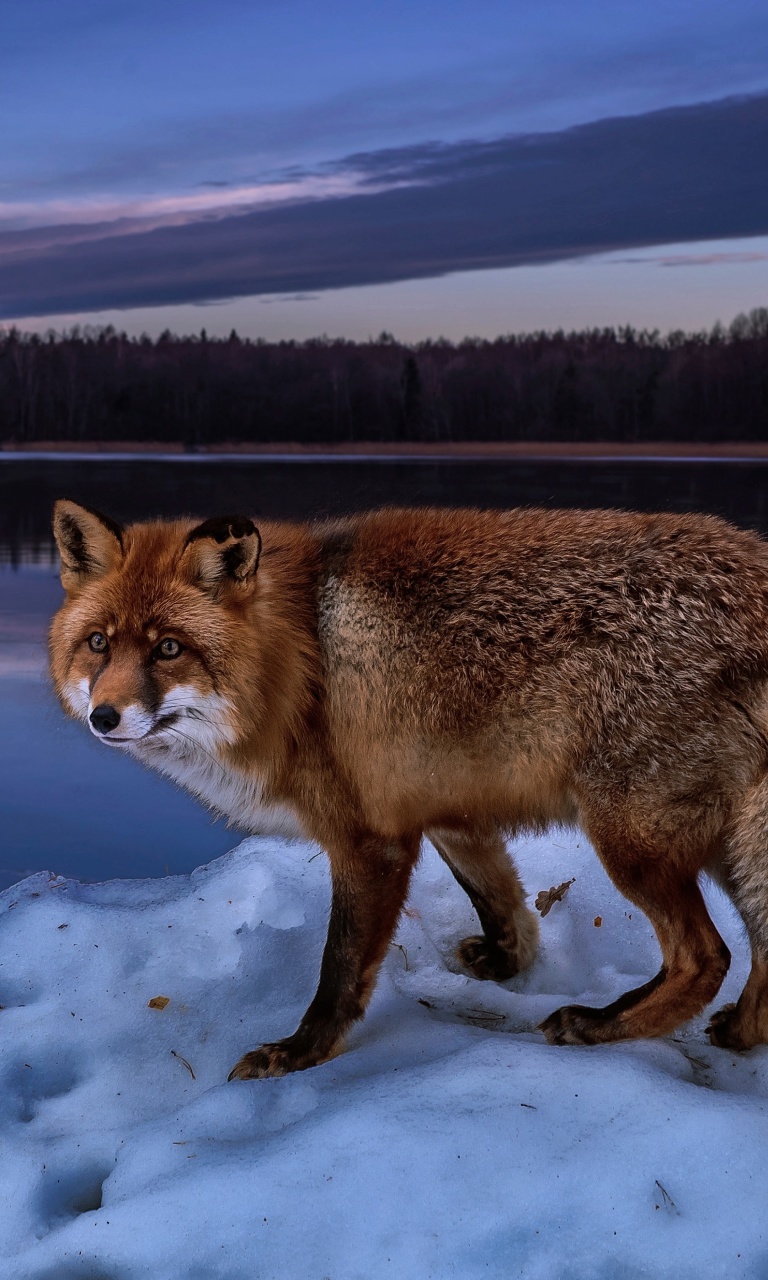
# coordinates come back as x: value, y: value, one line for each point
x: 69, y: 805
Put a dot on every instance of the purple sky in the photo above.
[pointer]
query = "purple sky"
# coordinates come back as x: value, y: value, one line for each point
x: 296, y: 168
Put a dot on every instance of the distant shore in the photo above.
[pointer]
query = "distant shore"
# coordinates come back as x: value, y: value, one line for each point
x: 428, y: 451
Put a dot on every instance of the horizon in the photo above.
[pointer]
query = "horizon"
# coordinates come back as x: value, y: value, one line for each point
x: 743, y: 324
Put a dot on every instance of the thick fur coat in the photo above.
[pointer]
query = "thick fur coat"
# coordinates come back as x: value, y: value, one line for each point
x: 462, y: 675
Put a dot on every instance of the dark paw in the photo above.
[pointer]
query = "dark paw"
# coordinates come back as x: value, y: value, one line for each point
x: 573, y: 1024
x: 724, y: 1032
x: 486, y: 959
x: 274, y: 1060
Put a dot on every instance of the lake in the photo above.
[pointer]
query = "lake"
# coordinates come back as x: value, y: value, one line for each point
x: 69, y: 805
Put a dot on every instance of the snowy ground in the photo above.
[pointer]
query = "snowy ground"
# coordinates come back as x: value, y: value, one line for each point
x: 449, y: 1140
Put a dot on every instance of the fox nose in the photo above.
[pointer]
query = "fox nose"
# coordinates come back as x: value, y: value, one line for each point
x: 104, y: 718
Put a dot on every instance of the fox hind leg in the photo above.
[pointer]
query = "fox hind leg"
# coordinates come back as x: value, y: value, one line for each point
x: 694, y: 957
x: 744, y: 1024
x: 482, y: 866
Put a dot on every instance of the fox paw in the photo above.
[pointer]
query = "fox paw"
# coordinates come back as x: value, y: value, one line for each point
x: 726, y: 1030
x: 574, y: 1024
x: 276, y: 1059
x: 486, y: 960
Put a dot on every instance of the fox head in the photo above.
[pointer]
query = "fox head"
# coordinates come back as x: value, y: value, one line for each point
x: 152, y: 636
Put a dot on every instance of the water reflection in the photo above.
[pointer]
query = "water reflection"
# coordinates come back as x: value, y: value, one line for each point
x: 142, y: 488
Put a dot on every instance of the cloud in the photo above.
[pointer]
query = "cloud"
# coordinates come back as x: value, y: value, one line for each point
x: 710, y: 259
x: 684, y: 174
x: 237, y: 121
x: 63, y: 219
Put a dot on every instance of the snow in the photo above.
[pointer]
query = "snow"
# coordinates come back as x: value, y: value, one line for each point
x: 449, y: 1140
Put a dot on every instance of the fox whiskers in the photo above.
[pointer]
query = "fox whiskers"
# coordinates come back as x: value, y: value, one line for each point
x: 196, y: 744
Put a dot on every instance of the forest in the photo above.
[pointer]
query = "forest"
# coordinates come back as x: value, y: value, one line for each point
x: 197, y: 391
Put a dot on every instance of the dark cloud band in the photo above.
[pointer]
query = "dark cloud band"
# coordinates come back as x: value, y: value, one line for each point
x: 686, y: 174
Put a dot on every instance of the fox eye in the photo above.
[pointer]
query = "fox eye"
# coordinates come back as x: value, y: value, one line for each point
x: 98, y: 642
x: 168, y: 648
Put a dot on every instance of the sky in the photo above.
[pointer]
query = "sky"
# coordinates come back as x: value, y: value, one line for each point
x: 428, y: 168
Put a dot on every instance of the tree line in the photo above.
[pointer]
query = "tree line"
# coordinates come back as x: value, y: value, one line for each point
x: 600, y: 384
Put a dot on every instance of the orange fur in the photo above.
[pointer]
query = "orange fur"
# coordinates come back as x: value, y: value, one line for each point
x: 460, y: 674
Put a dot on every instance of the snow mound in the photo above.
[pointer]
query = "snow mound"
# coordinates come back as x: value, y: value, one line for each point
x: 449, y: 1140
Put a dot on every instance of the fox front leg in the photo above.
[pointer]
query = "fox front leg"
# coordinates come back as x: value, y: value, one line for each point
x: 370, y: 883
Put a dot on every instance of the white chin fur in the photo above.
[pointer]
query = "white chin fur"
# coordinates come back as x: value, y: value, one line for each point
x: 188, y: 752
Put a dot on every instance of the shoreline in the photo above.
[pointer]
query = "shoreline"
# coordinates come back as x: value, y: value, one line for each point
x: 368, y: 451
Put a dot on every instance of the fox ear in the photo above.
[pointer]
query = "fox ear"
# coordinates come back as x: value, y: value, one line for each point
x: 89, y: 543
x: 226, y: 548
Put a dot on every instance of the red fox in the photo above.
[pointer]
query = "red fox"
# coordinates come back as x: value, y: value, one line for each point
x: 458, y: 674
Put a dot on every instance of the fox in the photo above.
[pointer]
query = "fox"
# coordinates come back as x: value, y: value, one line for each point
x: 464, y: 676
